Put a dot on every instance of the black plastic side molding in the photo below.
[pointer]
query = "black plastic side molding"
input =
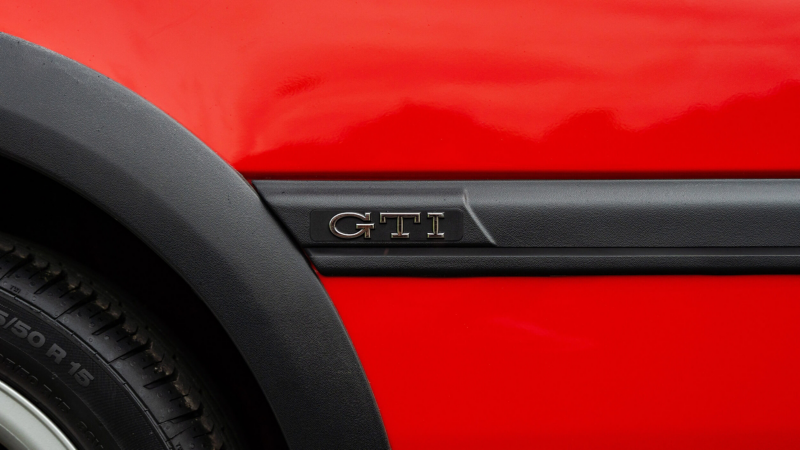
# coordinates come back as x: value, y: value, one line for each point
x: 549, y: 227
x: 143, y: 168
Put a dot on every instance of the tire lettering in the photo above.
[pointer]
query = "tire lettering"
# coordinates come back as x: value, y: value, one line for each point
x: 36, y: 339
x: 10, y: 322
x: 21, y: 330
x: 75, y: 367
x: 83, y: 377
x: 56, y: 352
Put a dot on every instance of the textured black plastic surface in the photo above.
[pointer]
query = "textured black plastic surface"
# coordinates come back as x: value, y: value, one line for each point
x: 561, y: 227
x: 111, y: 146
x: 466, y: 262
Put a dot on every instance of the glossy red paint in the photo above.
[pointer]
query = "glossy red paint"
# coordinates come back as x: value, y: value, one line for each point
x: 449, y: 89
x: 502, y: 89
x: 580, y: 362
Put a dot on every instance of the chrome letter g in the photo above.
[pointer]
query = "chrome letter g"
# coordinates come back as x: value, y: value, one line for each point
x: 363, y: 228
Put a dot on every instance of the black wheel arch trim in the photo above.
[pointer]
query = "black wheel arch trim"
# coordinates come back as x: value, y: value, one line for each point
x: 108, y: 144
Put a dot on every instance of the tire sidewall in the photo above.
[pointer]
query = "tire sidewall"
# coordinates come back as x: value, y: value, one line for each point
x: 51, y: 367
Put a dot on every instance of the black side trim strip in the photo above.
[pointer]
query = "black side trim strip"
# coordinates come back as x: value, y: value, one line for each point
x: 471, y: 262
x: 147, y: 171
x: 582, y: 213
x: 547, y: 227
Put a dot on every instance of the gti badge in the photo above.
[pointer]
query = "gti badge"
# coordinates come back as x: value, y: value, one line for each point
x: 363, y: 229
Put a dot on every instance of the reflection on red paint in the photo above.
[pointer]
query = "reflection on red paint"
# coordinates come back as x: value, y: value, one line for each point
x: 580, y: 362
x: 744, y: 128
x: 474, y: 89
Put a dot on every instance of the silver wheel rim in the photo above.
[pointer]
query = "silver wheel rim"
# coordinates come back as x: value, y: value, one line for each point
x: 24, y: 427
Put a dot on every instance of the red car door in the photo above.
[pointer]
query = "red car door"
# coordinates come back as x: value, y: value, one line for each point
x: 667, y: 131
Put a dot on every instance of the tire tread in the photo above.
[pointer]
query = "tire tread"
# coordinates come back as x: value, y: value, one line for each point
x: 114, y: 329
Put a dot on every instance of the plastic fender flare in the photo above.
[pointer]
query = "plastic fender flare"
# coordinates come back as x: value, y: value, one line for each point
x: 111, y: 146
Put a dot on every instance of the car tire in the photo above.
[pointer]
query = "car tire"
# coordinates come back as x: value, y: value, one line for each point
x: 88, y: 357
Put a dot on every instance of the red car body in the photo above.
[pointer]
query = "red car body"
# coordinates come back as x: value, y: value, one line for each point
x: 545, y: 89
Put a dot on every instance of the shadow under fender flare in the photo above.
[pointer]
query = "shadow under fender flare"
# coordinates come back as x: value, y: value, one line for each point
x: 108, y: 144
